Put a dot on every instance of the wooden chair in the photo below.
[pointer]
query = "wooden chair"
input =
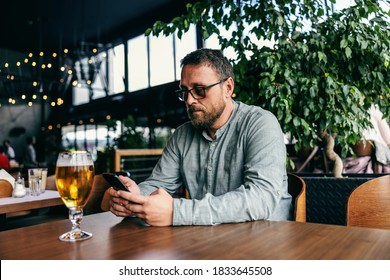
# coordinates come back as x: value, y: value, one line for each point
x: 369, y: 204
x: 297, y: 189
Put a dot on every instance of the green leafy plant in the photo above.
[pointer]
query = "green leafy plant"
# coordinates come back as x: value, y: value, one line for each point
x: 130, y: 138
x: 323, y: 72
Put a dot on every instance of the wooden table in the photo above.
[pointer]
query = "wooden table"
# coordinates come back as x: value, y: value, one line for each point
x: 118, y: 238
x: 47, y: 199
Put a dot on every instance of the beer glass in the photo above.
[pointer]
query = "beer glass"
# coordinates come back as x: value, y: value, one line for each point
x: 74, y: 180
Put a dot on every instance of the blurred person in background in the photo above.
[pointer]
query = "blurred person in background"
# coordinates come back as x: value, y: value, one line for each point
x: 4, y: 161
x: 30, y: 156
x: 9, y: 151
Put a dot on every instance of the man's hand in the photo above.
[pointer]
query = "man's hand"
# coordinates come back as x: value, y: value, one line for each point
x: 156, y: 209
x: 117, y: 199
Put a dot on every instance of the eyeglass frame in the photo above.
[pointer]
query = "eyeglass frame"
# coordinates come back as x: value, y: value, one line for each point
x: 181, y: 92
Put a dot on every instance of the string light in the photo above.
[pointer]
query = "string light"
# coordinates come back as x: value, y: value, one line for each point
x: 46, y: 62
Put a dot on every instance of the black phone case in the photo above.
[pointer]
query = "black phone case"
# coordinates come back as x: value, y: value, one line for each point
x: 115, y: 182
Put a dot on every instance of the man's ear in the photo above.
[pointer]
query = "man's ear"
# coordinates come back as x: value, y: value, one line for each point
x: 229, y: 86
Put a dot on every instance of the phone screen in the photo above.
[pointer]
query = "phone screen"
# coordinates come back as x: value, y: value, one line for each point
x: 115, y: 182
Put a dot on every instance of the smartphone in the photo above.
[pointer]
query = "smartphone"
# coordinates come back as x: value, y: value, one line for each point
x: 115, y: 182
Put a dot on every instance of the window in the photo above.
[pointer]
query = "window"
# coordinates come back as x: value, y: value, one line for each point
x: 183, y: 46
x: 116, y: 80
x: 138, y: 63
x: 90, y: 78
x: 94, y: 137
x: 161, y: 60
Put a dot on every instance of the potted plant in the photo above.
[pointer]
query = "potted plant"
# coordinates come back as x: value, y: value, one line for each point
x: 322, y: 73
x: 129, y: 138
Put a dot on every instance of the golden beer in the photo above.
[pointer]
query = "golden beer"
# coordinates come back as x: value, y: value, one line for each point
x: 74, y: 184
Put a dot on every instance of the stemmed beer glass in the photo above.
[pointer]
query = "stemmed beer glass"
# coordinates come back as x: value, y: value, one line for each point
x: 74, y: 180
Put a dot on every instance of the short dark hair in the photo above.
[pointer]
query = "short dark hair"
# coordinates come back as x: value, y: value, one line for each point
x: 29, y: 139
x: 209, y: 57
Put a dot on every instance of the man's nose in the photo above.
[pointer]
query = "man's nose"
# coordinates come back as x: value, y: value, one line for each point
x: 190, y: 99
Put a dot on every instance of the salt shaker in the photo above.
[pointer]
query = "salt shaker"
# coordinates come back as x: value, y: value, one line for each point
x: 19, y: 187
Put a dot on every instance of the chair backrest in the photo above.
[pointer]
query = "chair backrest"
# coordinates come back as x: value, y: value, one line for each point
x: 297, y: 189
x: 369, y: 204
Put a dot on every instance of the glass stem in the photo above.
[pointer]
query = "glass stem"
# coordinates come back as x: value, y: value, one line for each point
x: 75, y: 216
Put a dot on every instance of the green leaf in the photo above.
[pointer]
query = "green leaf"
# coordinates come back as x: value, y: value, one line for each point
x: 343, y: 44
x: 322, y: 56
x: 380, y: 76
x: 148, y: 31
x: 313, y: 92
x: 296, y: 121
x: 348, y: 52
x: 364, y: 44
x: 346, y: 89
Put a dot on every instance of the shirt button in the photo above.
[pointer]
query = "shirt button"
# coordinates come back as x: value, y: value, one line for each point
x: 210, y: 168
x: 278, y: 193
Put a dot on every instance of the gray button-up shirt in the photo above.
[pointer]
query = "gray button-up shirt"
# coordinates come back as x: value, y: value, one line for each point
x: 240, y: 176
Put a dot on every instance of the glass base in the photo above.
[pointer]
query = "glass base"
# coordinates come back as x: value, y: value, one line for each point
x: 72, y: 237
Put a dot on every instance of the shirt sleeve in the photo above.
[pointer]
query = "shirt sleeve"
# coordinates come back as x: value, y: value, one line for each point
x: 166, y: 172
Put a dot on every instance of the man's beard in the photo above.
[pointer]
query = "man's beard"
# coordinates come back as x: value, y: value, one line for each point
x: 206, y: 119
